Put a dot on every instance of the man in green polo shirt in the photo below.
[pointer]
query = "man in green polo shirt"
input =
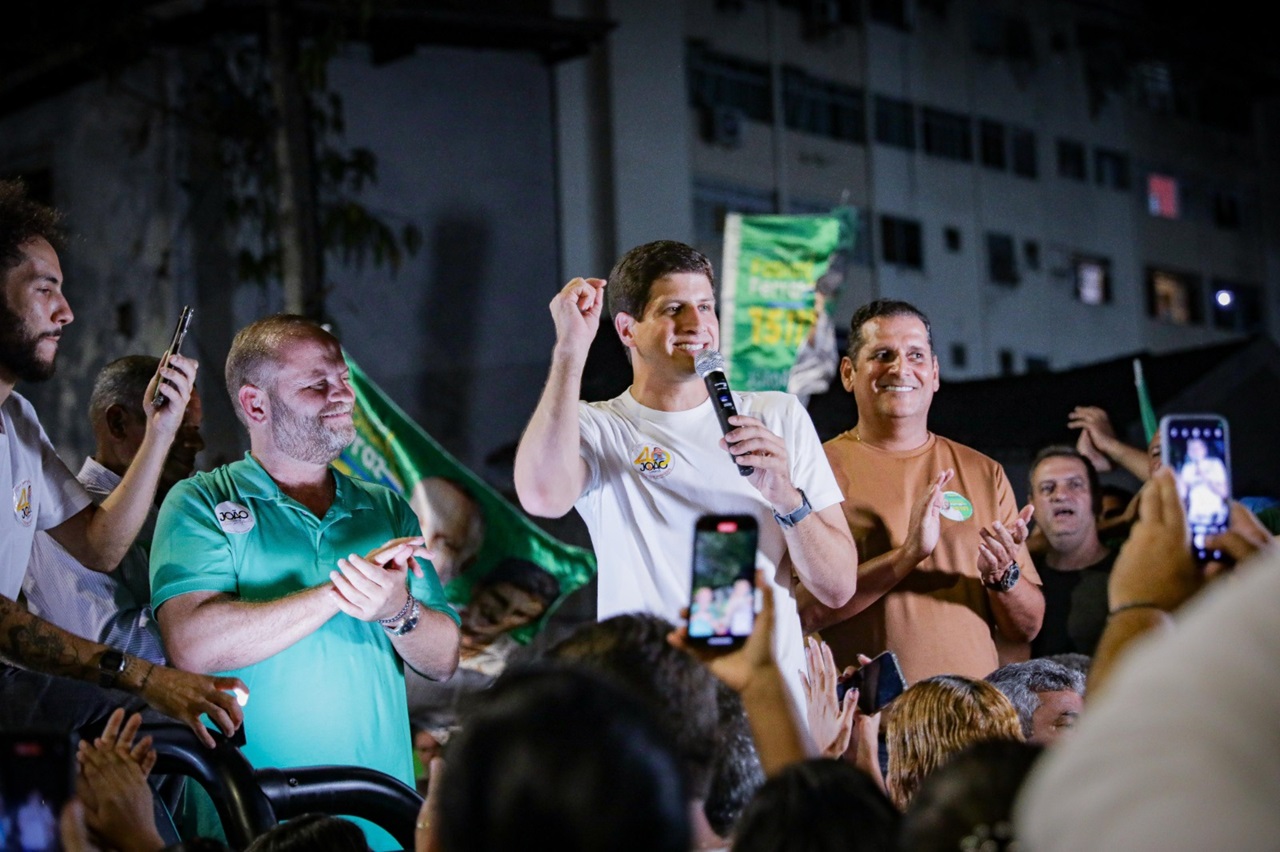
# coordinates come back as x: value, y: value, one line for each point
x: 297, y: 579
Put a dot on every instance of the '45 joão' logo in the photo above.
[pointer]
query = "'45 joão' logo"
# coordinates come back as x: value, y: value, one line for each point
x: 651, y: 461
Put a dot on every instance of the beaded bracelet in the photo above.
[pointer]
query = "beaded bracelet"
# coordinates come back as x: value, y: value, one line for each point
x: 399, y: 616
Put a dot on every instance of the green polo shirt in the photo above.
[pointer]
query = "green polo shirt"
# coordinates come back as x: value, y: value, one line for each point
x: 337, y: 696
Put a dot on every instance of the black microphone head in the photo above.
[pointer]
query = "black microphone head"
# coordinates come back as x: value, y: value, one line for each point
x: 707, y: 361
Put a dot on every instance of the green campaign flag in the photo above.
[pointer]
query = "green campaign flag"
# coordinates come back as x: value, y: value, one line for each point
x: 767, y: 293
x: 1149, y: 423
x: 394, y: 451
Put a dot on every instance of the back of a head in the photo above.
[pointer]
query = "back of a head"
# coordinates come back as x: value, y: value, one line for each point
x: 737, y: 773
x: 818, y: 805
x: 934, y: 719
x: 970, y: 796
x: 312, y: 833
x: 633, y: 649
x: 562, y: 758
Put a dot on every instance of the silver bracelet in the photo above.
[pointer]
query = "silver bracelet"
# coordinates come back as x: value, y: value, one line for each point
x: 399, y: 616
x: 410, y: 621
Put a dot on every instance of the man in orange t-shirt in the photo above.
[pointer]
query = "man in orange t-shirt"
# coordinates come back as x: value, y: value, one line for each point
x: 944, y: 578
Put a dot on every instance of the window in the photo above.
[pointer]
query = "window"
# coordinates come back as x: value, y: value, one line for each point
x: 947, y: 134
x: 991, y: 144
x: 1163, y: 199
x: 1173, y: 297
x: 822, y: 107
x: 1071, y: 162
x: 895, y: 123
x: 1155, y: 82
x: 1031, y: 254
x: 1002, y: 264
x: 900, y: 242
x: 959, y: 356
x: 951, y: 236
x: 1036, y: 363
x: 1006, y: 362
x: 1111, y: 168
x: 1226, y: 211
x: 1237, y: 307
x: 717, y: 80
x: 1093, y: 280
x: 1023, y: 144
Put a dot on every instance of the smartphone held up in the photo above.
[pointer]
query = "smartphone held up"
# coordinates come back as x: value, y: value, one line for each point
x: 175, y: 344
x: 37, y: 770
x: 1197, y: 448
x: 878, y: 682
x: 722, y: 600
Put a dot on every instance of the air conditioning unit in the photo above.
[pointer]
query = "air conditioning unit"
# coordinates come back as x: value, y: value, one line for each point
x: 723, y: 126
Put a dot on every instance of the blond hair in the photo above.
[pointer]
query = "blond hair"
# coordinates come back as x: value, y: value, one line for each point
x: 935, y: 719
x: 256, y: 350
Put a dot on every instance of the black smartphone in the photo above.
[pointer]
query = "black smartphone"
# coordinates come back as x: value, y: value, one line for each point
x: 722, y: 597
x: 1197, y: 448
x: 37, y: 773
x: 878, y: 682
x: 175, y: 344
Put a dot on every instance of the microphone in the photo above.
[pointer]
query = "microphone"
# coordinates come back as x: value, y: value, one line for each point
x: 709, y: 364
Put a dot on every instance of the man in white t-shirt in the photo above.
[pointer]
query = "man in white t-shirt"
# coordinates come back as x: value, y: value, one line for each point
x: 641, y: 468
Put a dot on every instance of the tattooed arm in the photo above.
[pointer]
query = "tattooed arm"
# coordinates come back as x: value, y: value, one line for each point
x: 38, y: 645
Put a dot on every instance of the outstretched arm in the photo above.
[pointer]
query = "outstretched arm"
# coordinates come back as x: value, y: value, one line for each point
x: 549, y: 472
x: 38, y: 645
x: 99, y: 536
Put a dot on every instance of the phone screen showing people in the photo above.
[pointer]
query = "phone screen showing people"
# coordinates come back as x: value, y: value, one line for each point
x: 722, y: 603
x: 1196, y: 448
x: 36, y: 772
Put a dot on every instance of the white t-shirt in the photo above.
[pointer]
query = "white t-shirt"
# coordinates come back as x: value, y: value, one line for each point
x: 38, y: 490
x: 652, y: 474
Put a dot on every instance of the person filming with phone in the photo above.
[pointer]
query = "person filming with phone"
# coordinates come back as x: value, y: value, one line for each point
x: 60, y: 680
x: 642, y: 468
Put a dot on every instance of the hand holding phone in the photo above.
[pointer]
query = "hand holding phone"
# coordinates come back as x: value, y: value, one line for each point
x: 175, y: 344
x: 878, y: 682
x: 722, y: 599
x: 1196, y: 447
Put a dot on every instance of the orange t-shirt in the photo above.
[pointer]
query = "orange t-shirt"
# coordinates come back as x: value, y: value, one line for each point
x: 938, y: 620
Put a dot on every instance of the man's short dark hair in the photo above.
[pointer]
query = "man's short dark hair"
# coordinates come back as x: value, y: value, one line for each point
x: 634, y: 273
x: 633, y: 648
x: 883, y: 308
x: 1063, y: 451
x: 1022, y: 682
x: 23, y: 220
x: 563, y: 758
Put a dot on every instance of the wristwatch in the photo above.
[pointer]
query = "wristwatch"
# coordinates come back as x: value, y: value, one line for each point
x: 790, y: 520
x: 110, y: 666
x: 1007, y: 582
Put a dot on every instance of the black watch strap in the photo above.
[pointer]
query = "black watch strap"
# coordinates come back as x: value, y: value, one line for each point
x: 110, y: 666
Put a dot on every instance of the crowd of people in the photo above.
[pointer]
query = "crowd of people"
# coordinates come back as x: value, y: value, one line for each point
x: 278, y: 599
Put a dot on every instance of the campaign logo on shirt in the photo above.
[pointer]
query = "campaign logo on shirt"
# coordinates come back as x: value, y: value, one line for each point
x: 651, y: 461
x: 234, y: 518
x: 958, y: 507
x: 22, y: 503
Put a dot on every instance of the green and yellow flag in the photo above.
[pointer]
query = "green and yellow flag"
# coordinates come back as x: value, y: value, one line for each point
x: 392, y: 450
x: 767, y: 291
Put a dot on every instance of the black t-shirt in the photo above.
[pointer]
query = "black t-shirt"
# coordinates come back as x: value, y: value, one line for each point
x: 1075, y: 608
